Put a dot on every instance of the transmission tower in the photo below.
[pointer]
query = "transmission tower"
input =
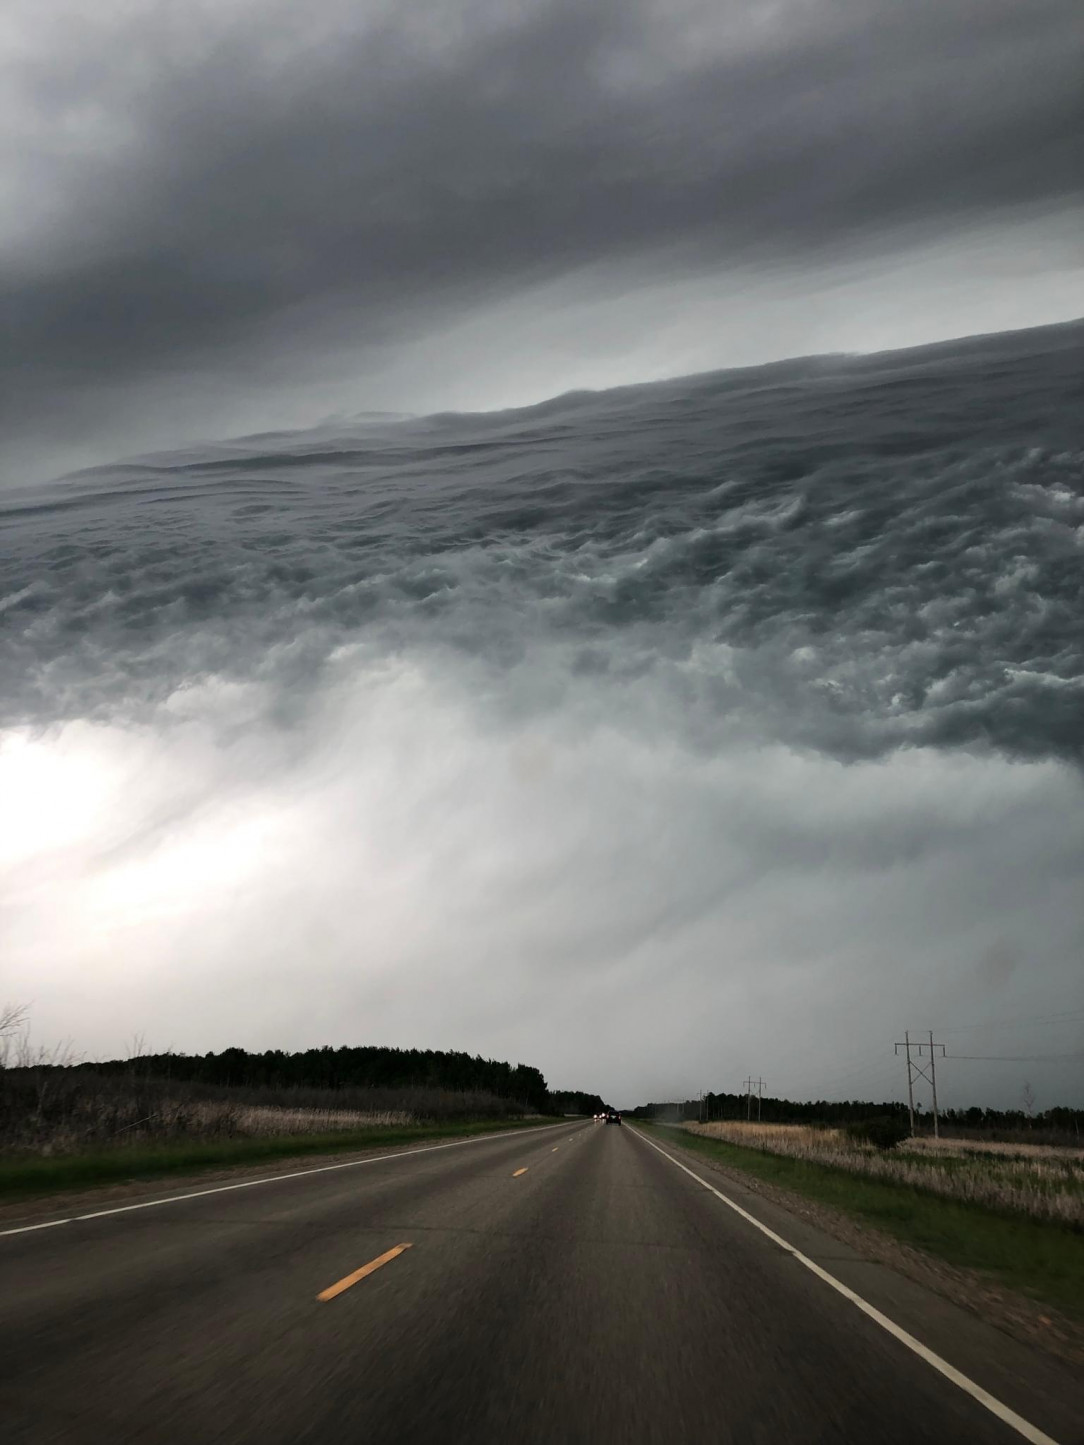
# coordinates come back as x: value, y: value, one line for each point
x: 924, y: 1066
x: 749, y: 1085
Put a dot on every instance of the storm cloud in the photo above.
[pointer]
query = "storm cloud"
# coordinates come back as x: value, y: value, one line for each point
x: 649, y: 736
x: 210, y: 207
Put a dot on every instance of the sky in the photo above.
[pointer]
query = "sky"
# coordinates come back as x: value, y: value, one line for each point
x: 259, y: 787
x: 222, y: 217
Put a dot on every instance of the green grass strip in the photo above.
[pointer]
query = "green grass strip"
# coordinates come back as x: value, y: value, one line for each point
x: 1041, y: 1260
x: 33, y: 1178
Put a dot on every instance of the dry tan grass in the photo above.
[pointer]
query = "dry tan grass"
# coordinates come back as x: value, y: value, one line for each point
x: 993, y: 1146
x: 263, y: 1119
x: 778, y: 1138
x: 1044, y: 1183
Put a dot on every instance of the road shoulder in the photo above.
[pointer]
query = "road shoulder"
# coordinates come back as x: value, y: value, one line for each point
x: 968, y: 1322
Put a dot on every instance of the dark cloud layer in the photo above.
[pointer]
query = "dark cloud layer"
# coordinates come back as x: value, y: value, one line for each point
x: 850, y: 555
x: 226, y: 195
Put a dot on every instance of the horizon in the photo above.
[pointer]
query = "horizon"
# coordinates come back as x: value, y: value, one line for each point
x: 63, y: 1055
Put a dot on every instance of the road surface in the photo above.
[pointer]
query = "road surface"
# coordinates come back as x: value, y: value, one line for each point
x: 570, y: 1284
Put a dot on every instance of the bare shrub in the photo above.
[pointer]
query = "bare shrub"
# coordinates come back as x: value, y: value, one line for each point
x: 883, y: 1131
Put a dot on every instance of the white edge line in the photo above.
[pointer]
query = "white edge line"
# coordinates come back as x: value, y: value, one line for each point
x: 272, y: 1179
x: 1009, y: 1417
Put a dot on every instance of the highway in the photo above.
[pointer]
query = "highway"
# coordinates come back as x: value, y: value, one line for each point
x: 567, y: 1284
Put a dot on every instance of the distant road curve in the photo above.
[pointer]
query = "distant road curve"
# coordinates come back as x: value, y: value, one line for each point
x: 573, y: 1283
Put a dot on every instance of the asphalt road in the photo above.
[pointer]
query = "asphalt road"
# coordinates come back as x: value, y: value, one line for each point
x: 564, y: 1285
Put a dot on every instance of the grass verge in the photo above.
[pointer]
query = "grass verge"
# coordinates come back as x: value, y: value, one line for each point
x: 34, y: 1178
x: 1040, y: 1260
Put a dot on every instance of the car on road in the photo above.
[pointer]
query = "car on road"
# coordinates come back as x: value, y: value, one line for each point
x: 612, y: 1117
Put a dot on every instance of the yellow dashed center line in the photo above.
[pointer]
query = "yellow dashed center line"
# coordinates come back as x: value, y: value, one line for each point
x: 359, y: 1274
x: 518, y: 1172
x: 555, y: 1149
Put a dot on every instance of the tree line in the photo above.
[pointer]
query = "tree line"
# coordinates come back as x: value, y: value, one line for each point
x: 849, y: 1111
x: 369, y: 1066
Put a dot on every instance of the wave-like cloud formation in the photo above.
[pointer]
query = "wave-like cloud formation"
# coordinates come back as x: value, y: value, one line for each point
x: 459, y: 730
x: 849, y: 556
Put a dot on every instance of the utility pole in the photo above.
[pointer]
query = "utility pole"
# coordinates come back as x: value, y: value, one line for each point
x: 906, y: 1045
x: 917, y: 1069
x: 749, y: 1085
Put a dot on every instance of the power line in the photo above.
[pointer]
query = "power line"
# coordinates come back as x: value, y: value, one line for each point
x: 1068, y: 1016
x: 1019, y: 1058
